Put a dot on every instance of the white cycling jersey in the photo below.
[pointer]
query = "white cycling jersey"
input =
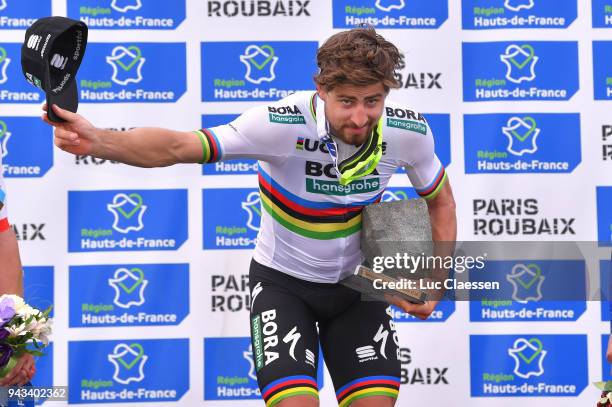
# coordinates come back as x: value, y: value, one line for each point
x: 310, y: 223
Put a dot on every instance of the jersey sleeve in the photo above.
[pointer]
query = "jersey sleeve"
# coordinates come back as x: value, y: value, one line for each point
x: 418, y: 157
x: 251, y: 135
x: 4, y: 224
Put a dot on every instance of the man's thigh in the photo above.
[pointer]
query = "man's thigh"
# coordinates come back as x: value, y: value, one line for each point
x: 360, y: 347
x: 285, y: 343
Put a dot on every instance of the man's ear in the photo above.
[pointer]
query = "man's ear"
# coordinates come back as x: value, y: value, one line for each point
x: 321, y: 92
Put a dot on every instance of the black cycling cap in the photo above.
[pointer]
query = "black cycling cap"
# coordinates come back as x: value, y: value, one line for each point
x: 50, y: 57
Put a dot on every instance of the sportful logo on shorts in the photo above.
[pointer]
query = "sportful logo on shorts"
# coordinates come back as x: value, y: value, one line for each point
x: 256, y: 71
x: 231, y: 166
x: 133, y: 73
x: 530, y: 290
x: 128, y: 14
x: 521, y: 143
x: 20, y: 14
x: 127, y: 220
x: 528, y: 365
x: 602, y: 13
x: 604, y: 216
x: 128, y: 370
x: 396, y: 14
x: 128, y: 295
x: 13, y: 87
x: 602, y: 71
x: 519, y: 70
x: 231, y: 218
x: 26, y: 147
x: 505, y: 14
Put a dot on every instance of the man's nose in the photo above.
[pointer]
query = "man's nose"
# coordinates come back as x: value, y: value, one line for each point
x: 359, y: 116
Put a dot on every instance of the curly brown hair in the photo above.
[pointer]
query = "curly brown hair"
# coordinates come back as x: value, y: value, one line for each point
x: 357, y: 57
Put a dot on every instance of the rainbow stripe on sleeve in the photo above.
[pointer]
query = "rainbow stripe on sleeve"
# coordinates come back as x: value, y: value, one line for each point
x: 211, y: 148
x: 433, y: 189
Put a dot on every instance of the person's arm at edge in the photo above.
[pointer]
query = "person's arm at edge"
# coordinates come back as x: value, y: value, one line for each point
x: 11, y: 282
x: 141, y: 147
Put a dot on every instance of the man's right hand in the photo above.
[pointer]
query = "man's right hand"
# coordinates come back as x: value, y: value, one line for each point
x: 76, y: 135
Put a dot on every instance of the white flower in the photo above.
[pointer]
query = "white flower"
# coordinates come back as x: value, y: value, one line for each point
x: 27, y: 311
x: 17, y: 330
x: 41, y: 330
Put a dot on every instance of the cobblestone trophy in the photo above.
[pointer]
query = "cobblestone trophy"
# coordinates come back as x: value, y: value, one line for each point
x: 397, y: 229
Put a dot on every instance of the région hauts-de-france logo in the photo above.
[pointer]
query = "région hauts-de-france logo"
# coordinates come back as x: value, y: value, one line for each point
x: 129, y: 361
x: 522, y: 134
x: 517, y: 5
x: 123, y: 6
x: 127, y: 64
x: 520, y: 63
x: 127, y: 211
x: 129, y: 286
x: 260, y: 62
x: 528, y: 355
x: 4, y: 63
x: 388, y: 5
x: 4, y: 137
x: 248, y: 356
x: 252, y: 206
x: 526, y: 280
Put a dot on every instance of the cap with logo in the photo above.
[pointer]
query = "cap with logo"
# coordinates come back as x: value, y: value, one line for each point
x: 50, y: 57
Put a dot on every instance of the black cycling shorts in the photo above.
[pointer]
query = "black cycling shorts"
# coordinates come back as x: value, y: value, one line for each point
x: 358, y: 338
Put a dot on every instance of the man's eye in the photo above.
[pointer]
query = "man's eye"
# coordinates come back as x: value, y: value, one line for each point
x: 345, y: 101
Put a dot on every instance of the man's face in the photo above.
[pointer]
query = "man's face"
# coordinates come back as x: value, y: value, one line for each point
x: 353, y: 111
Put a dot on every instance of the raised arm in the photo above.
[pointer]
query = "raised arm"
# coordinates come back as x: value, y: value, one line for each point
x: 141, y: 147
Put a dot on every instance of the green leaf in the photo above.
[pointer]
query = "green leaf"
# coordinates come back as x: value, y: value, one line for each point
x: 604, y: 386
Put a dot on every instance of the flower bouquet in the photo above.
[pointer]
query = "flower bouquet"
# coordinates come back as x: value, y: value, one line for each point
x: 23, y: 330
x: 605, y: 400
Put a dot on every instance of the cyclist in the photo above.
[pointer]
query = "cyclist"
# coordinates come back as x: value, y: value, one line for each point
x: 323, y: 156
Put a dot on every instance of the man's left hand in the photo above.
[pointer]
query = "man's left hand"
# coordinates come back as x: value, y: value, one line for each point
x: 421, y: 311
